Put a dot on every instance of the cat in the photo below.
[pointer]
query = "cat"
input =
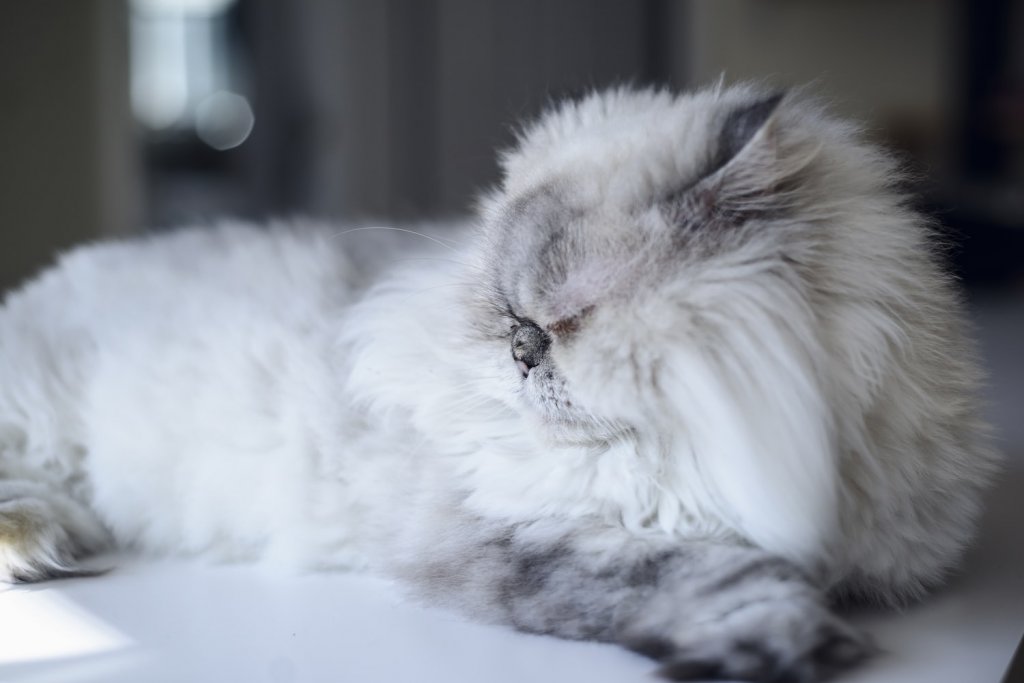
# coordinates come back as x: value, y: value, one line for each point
x: 692, y: 375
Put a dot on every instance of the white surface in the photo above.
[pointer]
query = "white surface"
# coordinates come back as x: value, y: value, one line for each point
x: 180, y: 621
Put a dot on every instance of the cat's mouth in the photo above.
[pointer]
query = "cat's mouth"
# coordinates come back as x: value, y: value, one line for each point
x: 545, y: 394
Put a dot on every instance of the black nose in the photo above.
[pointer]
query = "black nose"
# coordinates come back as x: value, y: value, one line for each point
x: 529, y: 344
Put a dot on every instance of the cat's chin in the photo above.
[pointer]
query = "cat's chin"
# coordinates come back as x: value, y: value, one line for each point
x: 572, y: 432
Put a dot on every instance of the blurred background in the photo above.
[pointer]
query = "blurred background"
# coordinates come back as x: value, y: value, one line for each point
x: 124, y: 116
x: 127, y: 115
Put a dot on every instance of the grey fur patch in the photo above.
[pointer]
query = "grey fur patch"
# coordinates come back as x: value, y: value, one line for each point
x: 703, y: 609
x: 645, y: 571
x: 533, y: 570
x: 531, y: 242
x: 541, y: 239
x: 759, y: 568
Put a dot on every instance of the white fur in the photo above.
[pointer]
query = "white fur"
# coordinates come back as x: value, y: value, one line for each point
x: 245, y: 393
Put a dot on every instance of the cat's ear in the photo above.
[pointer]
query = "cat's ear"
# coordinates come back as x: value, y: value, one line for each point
x: 751, y: 171
x: 748, y: 125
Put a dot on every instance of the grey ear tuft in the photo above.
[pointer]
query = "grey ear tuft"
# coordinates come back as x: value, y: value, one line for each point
x: 741, y: 125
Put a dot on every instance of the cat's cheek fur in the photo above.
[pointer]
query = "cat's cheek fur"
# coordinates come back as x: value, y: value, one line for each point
x: 728, y: 379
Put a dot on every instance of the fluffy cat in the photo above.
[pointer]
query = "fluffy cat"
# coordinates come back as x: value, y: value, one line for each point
x: 694, y: 373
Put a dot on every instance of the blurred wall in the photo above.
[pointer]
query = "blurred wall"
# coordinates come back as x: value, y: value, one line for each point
x: 403, y: 103
x: 891, y: 63
x: 394, y: 109
x: 68, y: 171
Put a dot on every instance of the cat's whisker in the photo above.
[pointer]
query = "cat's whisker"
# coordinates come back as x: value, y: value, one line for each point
x: 431, y: 238
x: 436, y: 259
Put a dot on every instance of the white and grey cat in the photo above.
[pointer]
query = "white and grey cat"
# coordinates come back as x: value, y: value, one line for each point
x: 693, y: 374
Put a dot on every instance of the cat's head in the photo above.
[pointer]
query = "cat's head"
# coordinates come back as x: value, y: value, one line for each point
x: 670, y: 287
x: 637, y: 234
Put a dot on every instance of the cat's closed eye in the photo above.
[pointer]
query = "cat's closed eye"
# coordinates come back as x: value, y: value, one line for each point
x: 567, y: 326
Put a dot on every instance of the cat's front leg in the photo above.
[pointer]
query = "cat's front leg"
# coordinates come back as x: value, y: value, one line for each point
x: 44, y: 531
x: 733, y: 612
x: 705, y: 610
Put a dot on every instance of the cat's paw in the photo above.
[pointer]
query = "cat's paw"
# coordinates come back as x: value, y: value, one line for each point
x: 777, y: 640
x: 41, y: 537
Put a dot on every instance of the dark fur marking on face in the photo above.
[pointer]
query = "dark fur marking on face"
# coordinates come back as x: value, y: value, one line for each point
x: 536, y: 240
x: 522, y: 217
x: 517, y: 240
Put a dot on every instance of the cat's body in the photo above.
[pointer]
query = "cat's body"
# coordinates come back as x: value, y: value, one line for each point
x: 697, y: 370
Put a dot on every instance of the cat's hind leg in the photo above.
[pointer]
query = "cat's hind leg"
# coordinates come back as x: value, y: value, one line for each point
x: 44, y: 531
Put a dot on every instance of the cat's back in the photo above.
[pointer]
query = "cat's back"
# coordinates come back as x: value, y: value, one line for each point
x: 195, y: 269
x: 158, y: 310
x: 173, y: 360
x: 190, y: 282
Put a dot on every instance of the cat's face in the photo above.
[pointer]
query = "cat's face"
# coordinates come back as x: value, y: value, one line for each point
x: 612, y: 218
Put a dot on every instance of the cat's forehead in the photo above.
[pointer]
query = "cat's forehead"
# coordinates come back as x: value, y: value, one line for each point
x: 604, y: 194
x: 616, y: 147
x: 557, y: 254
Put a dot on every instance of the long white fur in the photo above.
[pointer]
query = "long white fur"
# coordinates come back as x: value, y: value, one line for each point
x: 248, y: 393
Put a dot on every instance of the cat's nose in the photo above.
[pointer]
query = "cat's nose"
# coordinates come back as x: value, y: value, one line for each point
x: 529, y: 344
